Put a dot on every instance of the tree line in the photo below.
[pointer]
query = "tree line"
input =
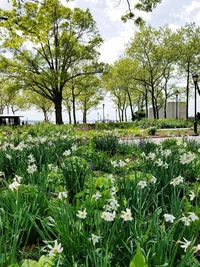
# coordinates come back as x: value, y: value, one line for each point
x: 49, y: 59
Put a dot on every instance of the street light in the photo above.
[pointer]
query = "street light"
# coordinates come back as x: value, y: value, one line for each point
x: 177, y: 92
x: 195, y: 80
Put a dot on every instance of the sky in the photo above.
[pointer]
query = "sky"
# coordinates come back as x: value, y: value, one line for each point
x: 116, y: 34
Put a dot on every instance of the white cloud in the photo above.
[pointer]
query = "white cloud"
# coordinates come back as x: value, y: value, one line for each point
x: 115, y: 46
x: 71, y: 5
x: 192, y: 7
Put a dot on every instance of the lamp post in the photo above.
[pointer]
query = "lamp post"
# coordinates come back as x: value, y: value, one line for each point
x: 195, y: 80
x: 177, y: 92
x: 103, y: 113
x: 116, y: 114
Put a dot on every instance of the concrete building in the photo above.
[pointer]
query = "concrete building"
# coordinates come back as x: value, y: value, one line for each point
x: 171, y: 111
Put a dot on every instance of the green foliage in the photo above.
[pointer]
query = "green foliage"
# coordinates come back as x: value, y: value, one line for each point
x: 152, y: 130
x: 138, y: 259
x: 106, y: 143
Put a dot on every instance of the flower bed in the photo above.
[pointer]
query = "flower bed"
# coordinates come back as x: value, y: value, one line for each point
x: 69, y: 202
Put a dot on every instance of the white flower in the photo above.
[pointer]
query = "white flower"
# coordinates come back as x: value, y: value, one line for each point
x: 66, y: 153
x: 169, y: 218
x: 143, y: 155
x: 8, y: 156
x: 121, y: 163
x: 113, y: 204
x: 18, y: 178
x: 62, y: 195
x: 82, y: 214
x: 108, y: 216
x: 127, y: 215
x: 31, y: 169
x: 176, y: 181
x: 186, y: 220
x: 97, y: 195
x: 193, y: 217
x: 14, y: 185
x: 186, y: 158
x: 153, y: 180
x: 185, y: 244
x: 142, y: 184
x: 56, y: 249
x: 95, y: 239
x: 151, y: 156
x: 114, y: 163
x: 191, y: 195
x: 197, y: 248
x: 31, y: 159
x: 167, y: 152
x: 74, y: 147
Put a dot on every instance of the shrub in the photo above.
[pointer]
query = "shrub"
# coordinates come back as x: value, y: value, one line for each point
x: 106, y: 143
x: 152, y: 130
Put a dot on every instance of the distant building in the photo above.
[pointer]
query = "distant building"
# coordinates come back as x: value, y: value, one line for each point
x: 171, y: 111
x: 12, y: 120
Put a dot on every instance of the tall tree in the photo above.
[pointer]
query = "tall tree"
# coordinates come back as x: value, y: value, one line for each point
x: 46, y: 41
x: 188, y: 51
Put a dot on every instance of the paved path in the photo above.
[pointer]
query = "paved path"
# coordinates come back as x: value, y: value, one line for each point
x: 156, y: 140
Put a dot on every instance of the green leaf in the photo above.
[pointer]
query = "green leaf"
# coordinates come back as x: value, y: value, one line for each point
x: 45, y: 262
x: 29, y: 263
x: 138, y: 259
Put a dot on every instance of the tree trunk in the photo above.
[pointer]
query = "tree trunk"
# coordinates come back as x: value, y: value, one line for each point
x: 125, y: 112
x: 84, y: 116
x: 146, y: 103
x: 187, y: 89
x: 45, y: 115
x: 69, y: 114
x: 119, y: 114
x: 153, y: 103
x: 131, y: 106
x: 74, y: 105
x: 58, y: 110
x: 165, y: 108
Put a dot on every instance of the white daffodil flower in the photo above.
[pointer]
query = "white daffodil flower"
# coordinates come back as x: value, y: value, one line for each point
x: 82, y: 214
x: 169, y: 218
x: 56, y: 249
x: 126, y: 215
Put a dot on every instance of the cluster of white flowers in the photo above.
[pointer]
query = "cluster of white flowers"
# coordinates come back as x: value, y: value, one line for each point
x: 169, y: 218
x: 188, y: 219
x: 119, y: 163
x: 66, y: 153
x: 166, y: 152
x: 16, y: 183
x: 31, y: 159
x: 108, y: 216
x: 151, y: 156
x: 31, y: 169
x: 21, y: 146
x: 74, y: 148
x: 142, y: 184
x: 63, y: 195
x: 161, y: 163
x: 176, y: 181
x: 187, y: 158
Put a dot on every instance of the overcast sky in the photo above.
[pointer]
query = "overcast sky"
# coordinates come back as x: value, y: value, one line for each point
x: 116, y: 34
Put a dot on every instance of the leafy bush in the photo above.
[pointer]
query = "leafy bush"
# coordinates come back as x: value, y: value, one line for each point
x: 106, y: 143
x: 152, y: 130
